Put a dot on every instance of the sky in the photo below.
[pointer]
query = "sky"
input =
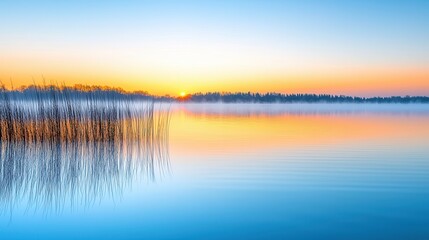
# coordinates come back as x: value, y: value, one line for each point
x: 363, y: 48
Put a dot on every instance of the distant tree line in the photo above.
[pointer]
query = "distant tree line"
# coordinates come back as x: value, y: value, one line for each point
x: 79, y: 92
x: 295, y: 98
x: 102, y: 92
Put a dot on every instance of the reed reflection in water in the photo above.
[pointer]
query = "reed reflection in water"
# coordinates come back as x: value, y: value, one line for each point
x: 60, y: 152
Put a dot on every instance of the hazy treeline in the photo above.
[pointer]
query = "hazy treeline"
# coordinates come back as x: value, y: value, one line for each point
x: 296, y: 98
x: 79, y: 92
x: 102, y: 92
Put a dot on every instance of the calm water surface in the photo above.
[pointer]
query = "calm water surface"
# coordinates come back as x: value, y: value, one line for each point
x: 239, y: 171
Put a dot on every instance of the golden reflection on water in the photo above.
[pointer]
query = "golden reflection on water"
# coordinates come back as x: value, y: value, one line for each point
x: 203, y: 132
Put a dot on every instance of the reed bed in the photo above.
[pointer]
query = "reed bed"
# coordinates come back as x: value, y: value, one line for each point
x: 61, y: 119
x: 57, y: 149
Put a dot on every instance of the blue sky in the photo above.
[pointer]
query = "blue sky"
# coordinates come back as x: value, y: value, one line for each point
x: 276, y: 38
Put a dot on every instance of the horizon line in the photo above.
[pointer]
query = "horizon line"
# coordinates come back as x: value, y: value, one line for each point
x: 120, y: 90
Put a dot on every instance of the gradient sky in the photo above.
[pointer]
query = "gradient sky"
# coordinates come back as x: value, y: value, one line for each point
x: 165, y: 47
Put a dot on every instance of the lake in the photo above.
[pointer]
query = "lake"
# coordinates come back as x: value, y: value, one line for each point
x: 235, y: 171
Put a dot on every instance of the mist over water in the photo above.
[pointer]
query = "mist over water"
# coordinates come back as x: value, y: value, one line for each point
x: 254, y: 109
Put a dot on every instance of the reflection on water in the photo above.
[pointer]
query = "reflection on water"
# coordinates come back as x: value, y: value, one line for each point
x: 49, y: 163
x: 263, y: 128
x: 308, y: 171
x: 239, y: 171
x: 50, y: 177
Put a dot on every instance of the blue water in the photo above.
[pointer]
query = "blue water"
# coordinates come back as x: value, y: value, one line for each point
x: 366, y: 176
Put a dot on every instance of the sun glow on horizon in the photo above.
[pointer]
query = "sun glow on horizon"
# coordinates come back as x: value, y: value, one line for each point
x: 220, y: 46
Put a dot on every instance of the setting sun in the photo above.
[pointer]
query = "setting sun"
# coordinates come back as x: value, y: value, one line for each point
x: 182, y: 94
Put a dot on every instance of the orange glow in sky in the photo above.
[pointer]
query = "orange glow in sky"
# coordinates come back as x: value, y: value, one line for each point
x: 364, y: 48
